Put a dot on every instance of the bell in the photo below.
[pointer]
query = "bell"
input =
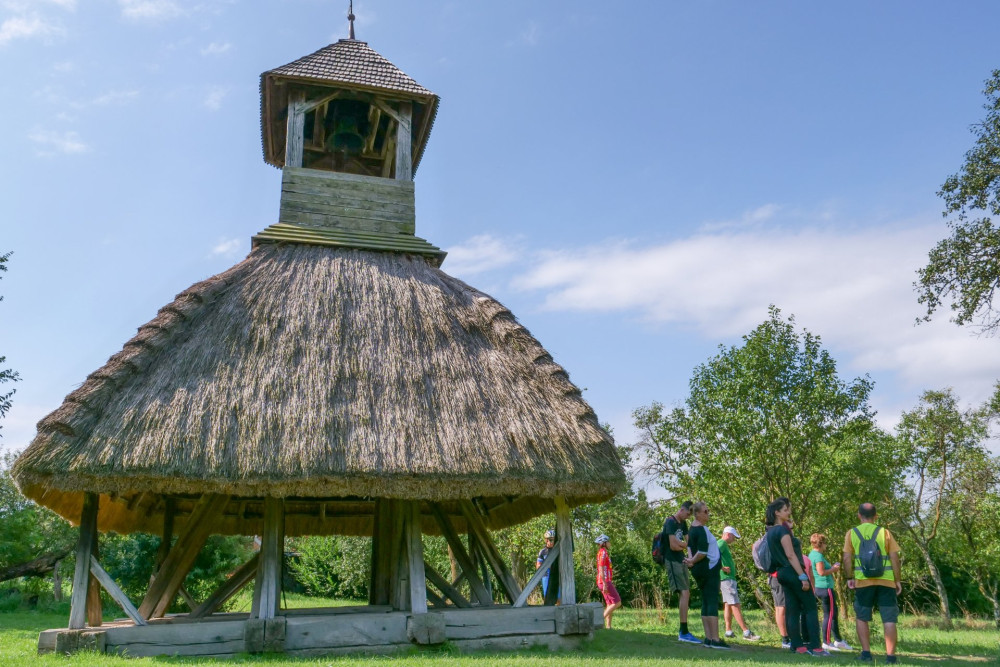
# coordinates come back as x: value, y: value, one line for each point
x: 350, y: 118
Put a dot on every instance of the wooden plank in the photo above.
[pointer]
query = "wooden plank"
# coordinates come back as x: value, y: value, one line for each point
x: 498, y: 622
x: 314, y: 216
x: 381, y: 552
x: 312, y: 104
x: 461, y: 555
x: 295, y: 129
x: 489, y: 550
x: 404, y: 157
x: 564, y: 533
x: 244, y: 575
x: 84, y: 549
x: 390, y: 157
x: 316, y: 175
x: 339, y: 611
x: 352, y: 630
x: 179, y: 561
x: 115, y: 592
x: 370, y: 210
x: 415, y: 553
x: 223, y: 638
x: 435, y: 600
x: 267, y: 592
x: 536, y: 578
x: 95, y: 610
x: 445, y: 587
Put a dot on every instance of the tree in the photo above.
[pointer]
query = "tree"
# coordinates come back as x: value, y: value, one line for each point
x: 940, y: 443
x: 6, y: 374
x: 770, y: 418
x: 965, y: 267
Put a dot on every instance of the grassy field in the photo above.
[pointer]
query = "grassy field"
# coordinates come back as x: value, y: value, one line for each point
x: 639, y: 638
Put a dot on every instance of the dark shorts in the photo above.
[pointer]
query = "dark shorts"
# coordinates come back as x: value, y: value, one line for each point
x: 677, y: 575
x: 777, y: 592
x: 610, y: 594
x: 869, y: 597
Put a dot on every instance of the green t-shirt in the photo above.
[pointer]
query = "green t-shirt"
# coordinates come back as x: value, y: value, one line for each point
x: 822, y: 580
x: 726, y: 560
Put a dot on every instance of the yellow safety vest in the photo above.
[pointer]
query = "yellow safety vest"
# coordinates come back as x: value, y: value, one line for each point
x: 866, y: 530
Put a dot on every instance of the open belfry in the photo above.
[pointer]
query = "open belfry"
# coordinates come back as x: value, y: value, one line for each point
x: 334, y: 382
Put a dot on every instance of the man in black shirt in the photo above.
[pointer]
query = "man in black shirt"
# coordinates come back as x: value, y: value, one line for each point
x: 675, y: 532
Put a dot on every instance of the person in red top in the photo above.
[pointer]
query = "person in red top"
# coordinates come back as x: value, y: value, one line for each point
x: 605, y: 576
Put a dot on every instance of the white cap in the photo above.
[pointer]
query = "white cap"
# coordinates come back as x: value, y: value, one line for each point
x: 602, y: 539
x: 730, y: 529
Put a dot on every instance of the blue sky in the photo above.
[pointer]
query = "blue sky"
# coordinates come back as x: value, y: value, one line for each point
x: 637, y: 181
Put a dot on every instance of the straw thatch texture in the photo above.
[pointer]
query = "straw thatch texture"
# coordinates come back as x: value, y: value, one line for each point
x: 316, y: 372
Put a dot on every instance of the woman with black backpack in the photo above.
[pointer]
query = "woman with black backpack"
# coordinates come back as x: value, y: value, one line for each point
x: 786, y: 560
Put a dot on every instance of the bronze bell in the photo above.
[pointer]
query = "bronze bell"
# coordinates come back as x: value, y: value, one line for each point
x: 349, y: 120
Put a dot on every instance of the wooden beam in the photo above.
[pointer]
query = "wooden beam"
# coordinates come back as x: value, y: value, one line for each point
x: 399, y: 590
x: 167, y: 534
x: 536, y: 578
x: 461, y: 555
x: 434, y: 599
x: 267, y: 592
x: 489, y: 550
x: 390, y: 155
x: 191, y: 603
x: 312, y: 104
x: 84, y: 549
x: 295, y: 129
x: 95, y: 610
x: 228, y: 589
x: 182, y: 555
x: 476, y: 554
x: 374, y: 117
x: 564, y: 533
x: 415, y: 553
x: 449, y: 591
x: 387, y: 109
x: 404, y: 157
x: 115, y: 592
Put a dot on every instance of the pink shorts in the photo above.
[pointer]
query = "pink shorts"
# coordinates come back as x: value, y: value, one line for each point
x: 610, y: 594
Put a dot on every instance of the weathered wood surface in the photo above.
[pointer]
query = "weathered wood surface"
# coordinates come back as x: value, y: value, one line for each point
x: 351, y: 630
x: 84, y: 549
x: 445, y: 586
x: 381, y: 575
x: 182, y: 555
x: 338, y: 611
x: 399, y: 589
x: 224, y: 638
x: 497, y: 622
x: 343, y: 181
x: 536, y: 578
x: 115, y: 592
x: 465, y: 561
x: 244, y: 575
x: 415, y: 553
x: 295, y: 129
x: 564, y: 533
x: 267, y: 590
x: 518, y: 642
x: 489, y: 550
x: 404, y: 143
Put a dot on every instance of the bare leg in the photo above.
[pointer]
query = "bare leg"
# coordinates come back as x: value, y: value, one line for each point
x: 711, y: 625
x: 608, y: 611
x: 890, y: 638
x: 682, y: 605
x: 779, y: 619
x: 865, y: 635
x: 737, y: 611
x: 727, y: 614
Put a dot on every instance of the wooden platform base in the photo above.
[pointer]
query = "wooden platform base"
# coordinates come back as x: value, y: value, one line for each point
x: 309, y: 632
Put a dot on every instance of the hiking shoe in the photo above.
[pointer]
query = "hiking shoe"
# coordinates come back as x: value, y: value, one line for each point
x: 720, y: 644
x: 689, y: 638
x: 786, y: 643
x: 730, y: 634
x: 802, y: 650
x: 890, y: 660
x: 820, y: 653
x: 749, y: 636
x: 865, y: 656
x: 841, y: 645
x: 829, y: 647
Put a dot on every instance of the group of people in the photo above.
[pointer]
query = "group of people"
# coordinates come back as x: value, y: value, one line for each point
x: 797, y: 580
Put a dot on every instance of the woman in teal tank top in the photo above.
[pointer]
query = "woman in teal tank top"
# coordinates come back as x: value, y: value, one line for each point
x: 823, y: 573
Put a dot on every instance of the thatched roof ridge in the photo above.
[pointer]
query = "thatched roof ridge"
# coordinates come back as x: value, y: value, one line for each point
x: 310, y: 371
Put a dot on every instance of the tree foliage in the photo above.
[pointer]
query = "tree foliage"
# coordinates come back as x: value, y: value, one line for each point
x: 6, y: 374
x: 964, y: 269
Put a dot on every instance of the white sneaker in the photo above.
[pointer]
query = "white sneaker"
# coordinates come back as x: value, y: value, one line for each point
x: 842, y: 645
x: 829, y: 647
x: 730, y: 634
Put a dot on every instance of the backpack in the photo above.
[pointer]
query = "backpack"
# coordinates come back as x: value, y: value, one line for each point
x: 762, y: 554
x: 870, y: 555
x: 657, y: 550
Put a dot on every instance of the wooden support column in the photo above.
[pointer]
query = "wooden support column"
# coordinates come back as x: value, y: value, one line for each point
x: 84, y: 549
x: 415, y: 553
x: 167, y: 535
x: 295, y: 129
x: 267, y: 592
x: 95, y: 610
x: 382, y: 553
x: 404, y: 157
x: 399, y: 589
x: 564, y: 533
x: 465, y: 562
x: 489, y: 550
x: 182, y: 555
x: 536, y: 578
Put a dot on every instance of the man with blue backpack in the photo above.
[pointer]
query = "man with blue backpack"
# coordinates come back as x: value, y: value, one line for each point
x: 871, y: 557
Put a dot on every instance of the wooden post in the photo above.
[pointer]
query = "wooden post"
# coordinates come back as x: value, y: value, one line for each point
x: 84, y: 549
x: 564, y: 533
x: 489, y: 550
x: 415, y: 553
x: 465, y: 562
x: 399, y: 589
x: 267, y: 592
x: 57, y: 581
x: 167, y: 535
x: 404, y: 158
x: 476, y: 554
x: 382, y: 553
x: 95, y: 610
x: 295, y: 129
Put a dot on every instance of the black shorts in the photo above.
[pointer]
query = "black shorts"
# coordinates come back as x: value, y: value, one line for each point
x: 777, y: 592
x: 868, y: 597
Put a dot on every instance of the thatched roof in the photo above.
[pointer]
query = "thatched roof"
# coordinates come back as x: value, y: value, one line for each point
x: 315, y: 372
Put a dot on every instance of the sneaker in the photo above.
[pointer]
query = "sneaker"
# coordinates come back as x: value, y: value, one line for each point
x: 707, y: 643
x: 749, y: 636
x: 865, y: 656
x: 841, y: 645
x: 803, y: 650
x: 689, y: 638
x: 786, y: 643
x: 820, y: 653
x: 720, y: 645
x: 890, y: 660
x: 730, y: 634
x: 829, y: 647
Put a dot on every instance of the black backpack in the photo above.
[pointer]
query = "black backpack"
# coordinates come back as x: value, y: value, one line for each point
x: 870, y: 555
x: 657, y: 550
x: 762, y: 554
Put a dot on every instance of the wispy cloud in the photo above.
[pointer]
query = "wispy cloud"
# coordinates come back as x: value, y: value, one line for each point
x: 52, y: 142
x: 215, y: 96
x: 529, y: 35
x: 150, y: 10
x: 216, y: 48
x: 227, y: 248
x: 110, y: 98
x: 27, y: 27
x: 479, y: 254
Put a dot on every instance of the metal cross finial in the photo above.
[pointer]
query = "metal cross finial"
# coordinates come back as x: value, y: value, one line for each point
x: 350, y: 17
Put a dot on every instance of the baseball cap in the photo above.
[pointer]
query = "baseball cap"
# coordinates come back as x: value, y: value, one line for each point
x: 730, y: 529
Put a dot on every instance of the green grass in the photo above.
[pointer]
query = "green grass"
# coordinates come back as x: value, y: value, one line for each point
x: 639, y: 639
